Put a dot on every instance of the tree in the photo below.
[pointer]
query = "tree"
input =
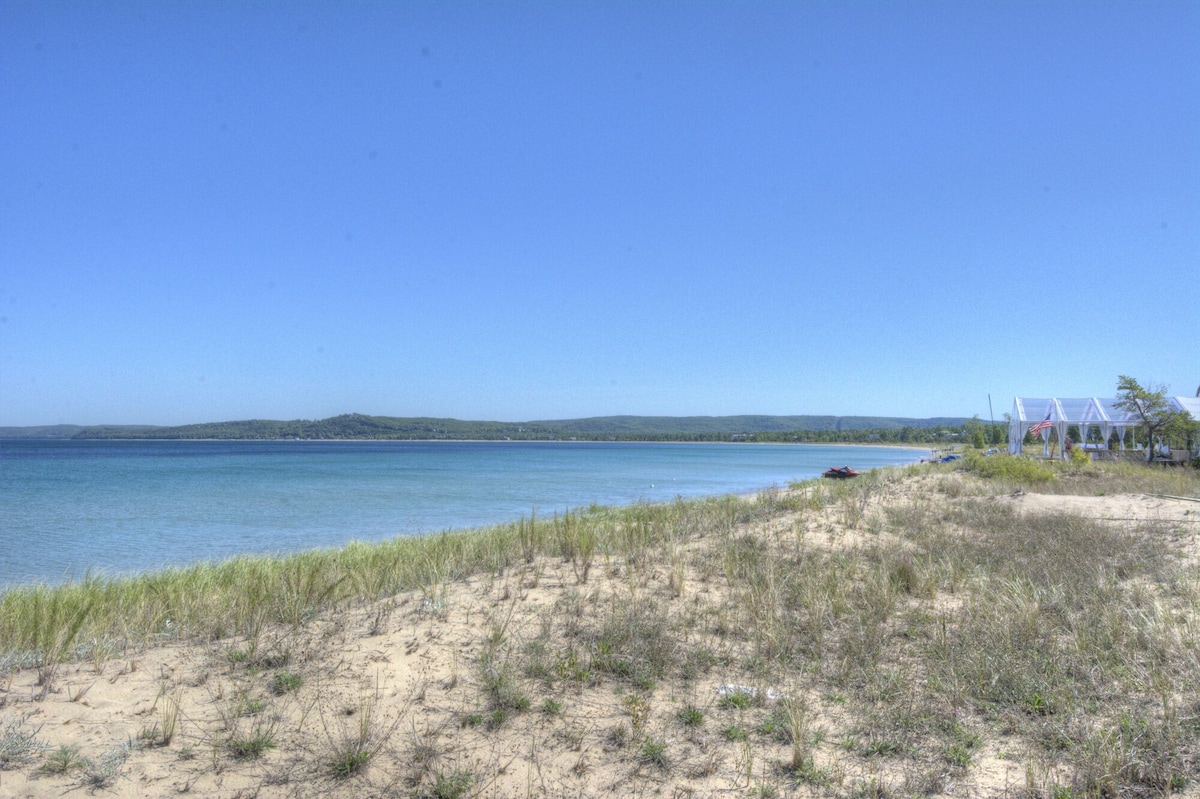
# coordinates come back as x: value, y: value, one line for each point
x: 975, y: 432
x: 1159, y: 417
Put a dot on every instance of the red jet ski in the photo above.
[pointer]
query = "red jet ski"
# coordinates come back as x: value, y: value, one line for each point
x: 840, y: 474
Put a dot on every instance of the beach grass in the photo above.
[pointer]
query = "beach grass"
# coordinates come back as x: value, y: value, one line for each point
x: 98, y: 615
x: 883, y: 636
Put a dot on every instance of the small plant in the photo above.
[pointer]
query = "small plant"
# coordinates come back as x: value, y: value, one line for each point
x: 161, y: 734
x: 882, y: 747
x: 654, y: 753
x: 691, y: 716
x: 734, y: 733
x: 638, y: 708
x: 569, y: 666
x: 958, y: 755
x: 286, y: 682
x: 772, y: 726
x: 62, y: 760
x: 807, y: 771
x: 100, y: 773
x: 169, y: 716
x: 56, y: 622
x: 503, y: 689
x: 551, y: 707
x: 349, y: 762
x: 355, y: 749
x: 253, y: 745
x: 449, y: 786
x: 17, y: 744
x: 618, y: 736
x: 275, y: 660
x: 872, y: 788
x: 740, y: 700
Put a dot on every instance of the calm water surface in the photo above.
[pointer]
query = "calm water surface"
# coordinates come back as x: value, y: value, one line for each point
x: 123, y: 506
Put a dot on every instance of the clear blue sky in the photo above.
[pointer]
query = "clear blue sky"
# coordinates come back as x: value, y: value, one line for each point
x: 517, y: 211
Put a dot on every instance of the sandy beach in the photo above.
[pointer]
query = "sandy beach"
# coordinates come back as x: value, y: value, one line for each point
x: 670, y: 673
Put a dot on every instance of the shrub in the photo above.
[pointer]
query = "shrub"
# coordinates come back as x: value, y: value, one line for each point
x: 1011, y: 468
x: 17, y: 744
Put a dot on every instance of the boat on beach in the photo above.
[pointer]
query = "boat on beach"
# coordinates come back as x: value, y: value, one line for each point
x: 840, y: 473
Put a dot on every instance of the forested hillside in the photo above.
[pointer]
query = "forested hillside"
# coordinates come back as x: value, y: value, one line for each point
x: 604, y: 428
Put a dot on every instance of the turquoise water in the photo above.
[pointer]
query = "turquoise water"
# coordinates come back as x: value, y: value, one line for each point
x: 67, y: 507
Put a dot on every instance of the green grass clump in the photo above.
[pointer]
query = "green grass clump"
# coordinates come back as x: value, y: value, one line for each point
x: 253, y: 744
x: 349, y: 762
x: 286, y: 682
x: 739, y: 700
x: 1007, y: 468
x: 635, y: 643
x: 691, y: 716
x: 452, y: 785
x: 504, y: 691
x: 654, y: 752
x: 734, y: 733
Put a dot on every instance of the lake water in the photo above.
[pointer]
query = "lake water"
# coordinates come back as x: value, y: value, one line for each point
x: 67, y: 507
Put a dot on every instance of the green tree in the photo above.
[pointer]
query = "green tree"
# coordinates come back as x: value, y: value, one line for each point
x: 1159, y: 418
x: 975, y: 432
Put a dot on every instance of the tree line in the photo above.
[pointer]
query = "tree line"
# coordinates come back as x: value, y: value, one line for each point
x: 382, y: 428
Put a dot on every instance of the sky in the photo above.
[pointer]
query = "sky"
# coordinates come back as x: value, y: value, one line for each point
x: 544, y: 210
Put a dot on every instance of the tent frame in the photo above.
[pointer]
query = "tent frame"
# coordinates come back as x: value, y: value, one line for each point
x: 1084, y: 413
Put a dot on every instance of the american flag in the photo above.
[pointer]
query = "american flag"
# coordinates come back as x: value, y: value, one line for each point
x: 1040, y: 426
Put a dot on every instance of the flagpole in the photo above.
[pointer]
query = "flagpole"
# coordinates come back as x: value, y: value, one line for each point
x: 991, y: 418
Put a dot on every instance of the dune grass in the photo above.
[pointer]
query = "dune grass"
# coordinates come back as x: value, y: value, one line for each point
x: 99, y: 616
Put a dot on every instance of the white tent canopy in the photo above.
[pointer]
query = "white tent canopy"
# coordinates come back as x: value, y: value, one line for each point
x: 1086, y: 413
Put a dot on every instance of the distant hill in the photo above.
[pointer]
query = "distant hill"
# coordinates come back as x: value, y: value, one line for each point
x: 44, y: 431
x: 601, y: 428
x: 73, y: 430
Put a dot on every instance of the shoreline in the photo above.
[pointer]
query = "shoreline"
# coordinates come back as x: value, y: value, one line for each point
x: 99, y: 572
